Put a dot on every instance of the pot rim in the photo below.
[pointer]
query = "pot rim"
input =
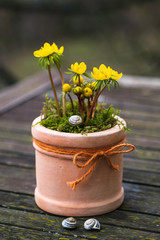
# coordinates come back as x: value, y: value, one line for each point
x: 117, y: 128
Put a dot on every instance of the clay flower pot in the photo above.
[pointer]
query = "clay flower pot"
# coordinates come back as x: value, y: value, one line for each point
x: 99, y: 192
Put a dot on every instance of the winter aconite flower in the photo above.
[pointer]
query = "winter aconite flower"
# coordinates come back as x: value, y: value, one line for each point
x: 103, y: 73
x: 66, y: 88
x: 79, y: 68
x: 47, y: 50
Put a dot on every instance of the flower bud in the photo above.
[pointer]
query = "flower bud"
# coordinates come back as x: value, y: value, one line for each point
x: 77, y: 90
x: 78, y: 79
x: 66, y: 88
x: 87, y: 92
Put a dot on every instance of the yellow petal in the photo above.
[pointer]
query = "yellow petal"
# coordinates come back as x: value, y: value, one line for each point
x: 61, y: 50
x: 95, y: 70
x: 82, y: 65
x: 55, y: 48
x: 103, y: 68
x: 47, y: 45
x: 37, y: 53
x: 76, y: 65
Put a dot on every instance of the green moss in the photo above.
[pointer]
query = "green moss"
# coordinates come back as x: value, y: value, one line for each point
x: 104, y: 118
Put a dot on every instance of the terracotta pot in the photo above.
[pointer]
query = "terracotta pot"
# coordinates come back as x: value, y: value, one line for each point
x: 100, y: 192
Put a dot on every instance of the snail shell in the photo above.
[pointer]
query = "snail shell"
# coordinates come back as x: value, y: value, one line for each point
x: 69, y: 223
x: 92, y: 223
x: 75, y: 120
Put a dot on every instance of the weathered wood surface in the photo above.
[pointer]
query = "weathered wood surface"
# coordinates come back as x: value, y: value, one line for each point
x: 139, y: 215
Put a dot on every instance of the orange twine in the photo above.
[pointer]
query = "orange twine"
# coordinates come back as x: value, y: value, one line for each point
x: 94, y: 156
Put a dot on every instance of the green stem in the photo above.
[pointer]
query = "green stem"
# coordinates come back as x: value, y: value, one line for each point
x: 54, y: 90
x: 64, y: 96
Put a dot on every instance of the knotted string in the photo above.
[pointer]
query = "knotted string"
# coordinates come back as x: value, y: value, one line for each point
x: 95, y: 156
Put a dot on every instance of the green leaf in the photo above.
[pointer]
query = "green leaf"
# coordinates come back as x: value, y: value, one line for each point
x: 72, y: 77
x: 117, y: 84
x: 52, y: 61
x: 69, y: 72
x: 87, y: 75
x: 101, y: 85
x: 108, y: 87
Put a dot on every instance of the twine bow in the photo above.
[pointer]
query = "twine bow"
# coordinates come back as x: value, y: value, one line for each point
x: 96, y: 158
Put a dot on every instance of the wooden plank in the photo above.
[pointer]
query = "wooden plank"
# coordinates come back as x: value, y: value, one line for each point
x: 131, y: 104
x: 8, y: 232
x: 131, y: 115
x: 145, y: 165
x: 17, y: 179
x: 141, y: 198
x: 145, y: 133
x: 112, y: 233
x: 115, y: 222
x: 17, y: 159
x: 12, y: 146
x: 147, y: 154
x: 6, y: 135
x: 10, y: 124
x: 141, y: 96
x: 141, y: 177
x: 25, y: 90
x: 141, y: 124
x: 144, y: 142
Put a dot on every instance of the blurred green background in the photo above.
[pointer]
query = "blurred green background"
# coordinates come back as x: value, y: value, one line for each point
x: 123, y: 34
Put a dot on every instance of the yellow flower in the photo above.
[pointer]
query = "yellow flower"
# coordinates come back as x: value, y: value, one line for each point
x: 115, y: 75
x: 76, y: 80
x: 47, y: 50
x: 103, y: 73
x: 66, y: 88
x: 77, y: 90
x: 79, y: 68
x: 87, y: 92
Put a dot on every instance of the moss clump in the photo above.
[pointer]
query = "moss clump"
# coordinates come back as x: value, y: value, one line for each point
x: 104, y: 118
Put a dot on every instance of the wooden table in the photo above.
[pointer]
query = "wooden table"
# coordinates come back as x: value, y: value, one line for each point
x: 139, y: 215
